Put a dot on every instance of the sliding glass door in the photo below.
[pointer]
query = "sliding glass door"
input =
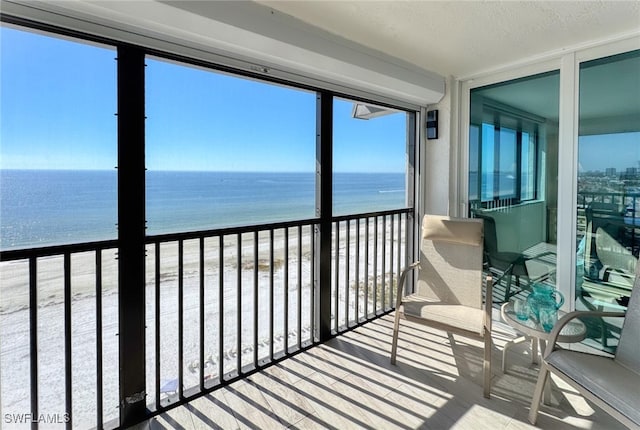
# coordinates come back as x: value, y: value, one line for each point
x: 513, y: 153
x: 608, y: 191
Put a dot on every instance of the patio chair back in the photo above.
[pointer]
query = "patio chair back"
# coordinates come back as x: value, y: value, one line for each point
x: 451, y: 261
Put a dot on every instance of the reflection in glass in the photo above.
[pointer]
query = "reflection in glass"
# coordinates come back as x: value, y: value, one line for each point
x: 486, y: 177
x: 608, y: 206
x: 513, y: 143
x: 527, y: 167
x: 506, y: 180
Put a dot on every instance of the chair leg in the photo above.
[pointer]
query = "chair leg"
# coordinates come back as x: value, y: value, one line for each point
x: 507, y: 290
x: 537, y: 394
x: 394, y: 342
x: 486, y: 368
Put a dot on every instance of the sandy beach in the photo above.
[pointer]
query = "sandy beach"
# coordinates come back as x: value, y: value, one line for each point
x: 14, y: 315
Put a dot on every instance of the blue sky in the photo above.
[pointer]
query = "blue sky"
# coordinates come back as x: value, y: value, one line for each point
x: 58, y: 100
x: 598, y: 152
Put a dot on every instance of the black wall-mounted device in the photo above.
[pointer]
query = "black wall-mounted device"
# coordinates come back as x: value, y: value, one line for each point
x: 432, y: 124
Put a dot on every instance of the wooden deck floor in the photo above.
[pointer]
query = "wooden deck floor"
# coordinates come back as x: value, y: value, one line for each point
x: 348, y: 383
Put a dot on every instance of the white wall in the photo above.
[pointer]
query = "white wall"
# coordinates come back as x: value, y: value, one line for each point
x: 438, y: 172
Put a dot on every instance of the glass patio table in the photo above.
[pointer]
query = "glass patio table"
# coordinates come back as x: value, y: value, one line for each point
x: 574, y: 331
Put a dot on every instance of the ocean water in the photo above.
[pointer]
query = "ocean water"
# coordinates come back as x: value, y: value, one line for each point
x: 52, y: 207
x: 506, y: 186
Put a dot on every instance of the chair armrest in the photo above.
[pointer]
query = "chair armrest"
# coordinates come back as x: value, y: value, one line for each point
x: 403, y: 275
x: 572, y: 315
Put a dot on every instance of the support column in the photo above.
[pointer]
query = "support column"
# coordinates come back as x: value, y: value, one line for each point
x: 567, y: 179
x: 324, y: 210
x: 131, y: 234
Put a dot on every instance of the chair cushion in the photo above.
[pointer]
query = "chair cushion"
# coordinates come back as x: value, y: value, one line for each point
x: 458, y: 316
x: 466, y: 231
x: 616, y: 385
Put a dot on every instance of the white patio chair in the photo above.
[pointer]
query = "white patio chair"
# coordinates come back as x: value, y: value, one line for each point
x: 613, y: 384
x: 449, y: 289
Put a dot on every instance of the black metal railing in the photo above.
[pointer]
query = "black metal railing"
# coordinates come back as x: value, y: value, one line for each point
x: 368, y: 252
x: 220, y: 305
x: 53, y: 340
x: 611, y: 210
x: 628, y: 202
x: 232, y: 299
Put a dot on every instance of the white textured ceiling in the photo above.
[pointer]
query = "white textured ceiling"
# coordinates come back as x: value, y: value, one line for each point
x: 462, y: 38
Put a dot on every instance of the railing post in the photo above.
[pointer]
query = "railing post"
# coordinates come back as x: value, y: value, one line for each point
x: 131, y: 234
x: 324, y: 210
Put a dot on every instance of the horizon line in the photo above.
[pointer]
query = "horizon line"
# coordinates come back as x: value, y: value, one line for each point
x: 195, y: 171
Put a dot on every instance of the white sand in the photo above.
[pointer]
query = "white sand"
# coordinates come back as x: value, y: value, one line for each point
x: 14, y: 318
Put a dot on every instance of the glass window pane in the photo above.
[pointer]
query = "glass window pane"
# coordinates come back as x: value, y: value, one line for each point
x: 518, y: 204
x: 58, y: 137
x: 527, y: 168
x: 369, y: 159
x: 224, y: 150
x: 221, y: 151
x: 488, y: 162
x: 474, y: 160
x: 58, y: 185
x: 507, y: 164
x: 608, y: 206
